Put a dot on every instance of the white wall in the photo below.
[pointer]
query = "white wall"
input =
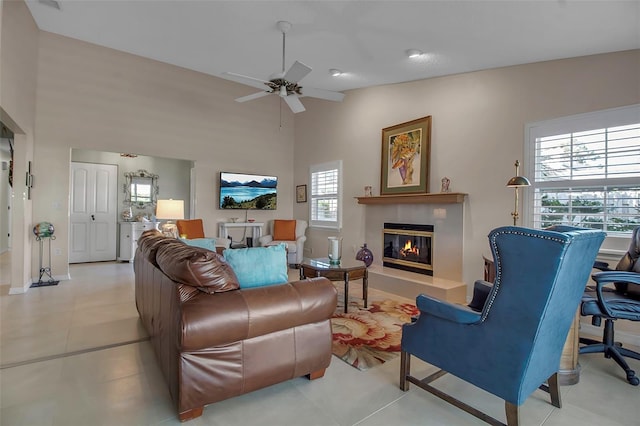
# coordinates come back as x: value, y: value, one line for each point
x: 100, y: 99
x: 477, y: 134
x: 18, y: 71
x: 5, y: 191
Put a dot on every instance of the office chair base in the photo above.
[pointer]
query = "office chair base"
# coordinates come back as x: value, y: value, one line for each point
x: 613, y: 350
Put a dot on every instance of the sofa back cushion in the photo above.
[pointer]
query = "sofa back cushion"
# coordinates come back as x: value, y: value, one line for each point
x: 196, y: 267
x: 149, y: 242
x: 259, y: 266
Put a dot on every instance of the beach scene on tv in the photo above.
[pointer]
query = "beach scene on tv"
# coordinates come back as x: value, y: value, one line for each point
x: 247, y: 191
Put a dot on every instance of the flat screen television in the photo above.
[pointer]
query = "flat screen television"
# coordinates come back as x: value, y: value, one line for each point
x: 248, y: 191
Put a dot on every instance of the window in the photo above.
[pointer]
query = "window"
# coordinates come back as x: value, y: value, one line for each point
x: 326, y: 195
x: 585, y: 171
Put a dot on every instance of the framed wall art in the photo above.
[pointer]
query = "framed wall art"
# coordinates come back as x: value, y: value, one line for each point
x: 406, y: 148
x: 301, y: 194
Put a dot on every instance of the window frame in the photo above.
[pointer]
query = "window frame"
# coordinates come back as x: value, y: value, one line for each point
x: 323, y: 167
x: 616, y: 242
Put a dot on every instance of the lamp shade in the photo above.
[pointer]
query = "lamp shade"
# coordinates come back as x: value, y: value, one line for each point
x: 518, y: 181
x: 170, y: 209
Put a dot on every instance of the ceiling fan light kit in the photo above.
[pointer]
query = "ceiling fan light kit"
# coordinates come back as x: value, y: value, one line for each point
x: 286, y: 84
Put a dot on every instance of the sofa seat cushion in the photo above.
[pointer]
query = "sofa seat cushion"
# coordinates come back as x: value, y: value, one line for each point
x: 196, y: 267
x: 259, y: 266
x: 238, y: 315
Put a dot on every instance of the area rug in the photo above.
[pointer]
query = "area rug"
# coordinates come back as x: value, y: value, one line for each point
x: 364, y: 338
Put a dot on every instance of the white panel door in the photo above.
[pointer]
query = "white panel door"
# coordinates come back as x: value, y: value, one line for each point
x: 92, y: 226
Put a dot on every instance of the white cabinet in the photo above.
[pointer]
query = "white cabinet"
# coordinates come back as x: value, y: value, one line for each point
x: 129, y: 234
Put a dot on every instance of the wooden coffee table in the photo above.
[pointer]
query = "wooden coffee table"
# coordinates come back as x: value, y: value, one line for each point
x: 346, y: 270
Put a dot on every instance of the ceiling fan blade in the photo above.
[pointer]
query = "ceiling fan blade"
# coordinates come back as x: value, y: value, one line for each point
x: 322, y: 94
x: 249, y: 81
x: 252, y: 97
x: 297, y: 72
x: 294, y: 103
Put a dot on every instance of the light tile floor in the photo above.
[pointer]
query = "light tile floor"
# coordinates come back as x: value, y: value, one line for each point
x: 75, y: 382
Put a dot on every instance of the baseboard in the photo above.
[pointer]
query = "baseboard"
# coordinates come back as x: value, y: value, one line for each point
x: 621, y: 336
x: 20, y: 290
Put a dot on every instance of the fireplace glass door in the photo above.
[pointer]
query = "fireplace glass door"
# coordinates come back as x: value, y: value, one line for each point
x: 408, y: 247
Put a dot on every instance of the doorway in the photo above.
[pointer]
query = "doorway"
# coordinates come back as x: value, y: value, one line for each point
x: 92, y: 220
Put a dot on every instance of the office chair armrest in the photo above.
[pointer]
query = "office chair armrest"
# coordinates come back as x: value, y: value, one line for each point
x: 603, y: 278
x: 481, y: 290
x: 445, y: 310
x: 602, y: 266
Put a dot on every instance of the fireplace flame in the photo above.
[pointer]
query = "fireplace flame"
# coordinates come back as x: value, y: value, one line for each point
x: 409, y: 249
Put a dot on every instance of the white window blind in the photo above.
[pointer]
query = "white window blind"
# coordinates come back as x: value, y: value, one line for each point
x: 585, y: 171
x: 324, y: 206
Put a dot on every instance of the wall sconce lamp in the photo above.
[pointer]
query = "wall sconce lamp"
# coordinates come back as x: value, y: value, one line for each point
x: 171, y: 210
x: 516, y: 183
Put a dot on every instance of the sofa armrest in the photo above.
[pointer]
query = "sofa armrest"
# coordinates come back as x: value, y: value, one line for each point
x: 265, y: 239
x: 209, y: 320
x: 445, y: 310
x: 224, y: 243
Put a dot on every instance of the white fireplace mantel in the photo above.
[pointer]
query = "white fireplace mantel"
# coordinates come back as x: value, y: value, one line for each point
x: 431, y: 198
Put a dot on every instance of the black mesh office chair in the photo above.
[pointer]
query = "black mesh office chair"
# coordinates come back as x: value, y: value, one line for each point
x: 620, y: 302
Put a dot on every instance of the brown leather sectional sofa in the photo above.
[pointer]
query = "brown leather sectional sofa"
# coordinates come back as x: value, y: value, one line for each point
x: 214, y: 340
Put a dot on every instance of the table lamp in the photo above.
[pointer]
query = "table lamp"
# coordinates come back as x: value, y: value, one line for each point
x: 170, y: 210
x: 517, y: 182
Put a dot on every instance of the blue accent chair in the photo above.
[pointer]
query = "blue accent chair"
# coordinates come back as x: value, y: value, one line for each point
x: 513, y: 345
x: 622, y: 301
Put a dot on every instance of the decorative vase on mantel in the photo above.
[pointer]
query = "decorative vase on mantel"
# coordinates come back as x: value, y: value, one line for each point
x: 365, y: 255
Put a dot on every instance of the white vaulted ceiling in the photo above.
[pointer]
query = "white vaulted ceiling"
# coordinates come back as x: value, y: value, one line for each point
x: 367, y: 40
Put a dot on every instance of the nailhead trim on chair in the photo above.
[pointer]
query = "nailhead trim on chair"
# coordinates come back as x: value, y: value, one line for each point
x: 494, y: 248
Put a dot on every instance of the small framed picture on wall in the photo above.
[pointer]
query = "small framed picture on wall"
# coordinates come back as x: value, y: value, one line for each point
x: 301, y: 193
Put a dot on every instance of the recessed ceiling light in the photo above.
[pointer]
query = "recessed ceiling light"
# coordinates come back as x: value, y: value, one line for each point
x: 413, y: 53
x: 51, y: 3
x: 335, y: 72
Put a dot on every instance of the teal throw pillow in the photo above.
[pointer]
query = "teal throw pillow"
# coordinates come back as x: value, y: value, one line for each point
x: 259, y: 266
x: 206, y: 243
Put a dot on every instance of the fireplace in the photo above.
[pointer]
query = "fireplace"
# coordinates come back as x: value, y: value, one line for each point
x: 408, y: 247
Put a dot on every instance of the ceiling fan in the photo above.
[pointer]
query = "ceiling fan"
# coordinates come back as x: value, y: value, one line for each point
x: 284, y: 84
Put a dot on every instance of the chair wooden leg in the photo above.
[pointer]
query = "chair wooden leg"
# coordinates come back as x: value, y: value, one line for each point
x: 405, y: 370
x: 316, y: 374
x: 513, y: 414
x: 191, y: 414
x: 554, y: 390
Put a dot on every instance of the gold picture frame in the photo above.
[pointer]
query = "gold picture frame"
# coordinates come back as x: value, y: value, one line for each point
x: 406, y: 150
x: 301, y: 194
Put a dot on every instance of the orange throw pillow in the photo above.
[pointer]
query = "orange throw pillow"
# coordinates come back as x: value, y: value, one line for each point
x: 284, y: 230
x: 192, y: 228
